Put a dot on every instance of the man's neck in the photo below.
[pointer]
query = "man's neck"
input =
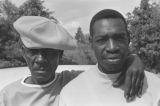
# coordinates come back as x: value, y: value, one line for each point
x: 32, y: 80
x: 106, y: 71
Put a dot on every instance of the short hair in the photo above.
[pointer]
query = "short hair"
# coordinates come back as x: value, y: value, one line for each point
x: 106, y: 13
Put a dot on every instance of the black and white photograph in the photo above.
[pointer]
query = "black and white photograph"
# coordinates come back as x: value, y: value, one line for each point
x: 79, y: 52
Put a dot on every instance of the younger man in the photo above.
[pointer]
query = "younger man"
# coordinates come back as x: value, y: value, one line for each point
x: 110, y: 42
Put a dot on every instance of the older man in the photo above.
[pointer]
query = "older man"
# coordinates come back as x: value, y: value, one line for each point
x: 41, y: 42
x: 110, y: 42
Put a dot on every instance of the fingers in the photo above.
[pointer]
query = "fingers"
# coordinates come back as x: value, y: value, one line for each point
x: 134, y: 78
x: 139, y: 94
x: 138, y: 84
x: 132, y: 90
x: 134, y: 86
x: 128, y: 83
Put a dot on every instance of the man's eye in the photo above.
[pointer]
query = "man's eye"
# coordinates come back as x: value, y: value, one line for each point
x: 100, y: 41
x: 120, y: 38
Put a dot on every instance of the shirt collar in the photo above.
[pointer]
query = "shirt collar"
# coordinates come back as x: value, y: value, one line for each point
x: 105, y: 76
x: 35, y: 85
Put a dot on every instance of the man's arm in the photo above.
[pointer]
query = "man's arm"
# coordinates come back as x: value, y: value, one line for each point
x: 132, y: 78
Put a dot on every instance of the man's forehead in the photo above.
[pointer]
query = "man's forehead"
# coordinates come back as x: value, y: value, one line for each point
x: 103, y: 26
x: 109, y: 22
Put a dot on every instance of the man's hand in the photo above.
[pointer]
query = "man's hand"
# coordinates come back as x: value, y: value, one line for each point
x: 132, y: 78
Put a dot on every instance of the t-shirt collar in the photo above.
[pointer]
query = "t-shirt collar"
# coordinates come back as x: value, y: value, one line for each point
x: 111, y: 77
x: 35, y: 85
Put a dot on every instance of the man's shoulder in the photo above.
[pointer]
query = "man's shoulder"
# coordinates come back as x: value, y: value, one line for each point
x: 70, y: 74
x: 77, y: 82
x: 66, y: 76
x: 12, y: 86
x: 152, y: 79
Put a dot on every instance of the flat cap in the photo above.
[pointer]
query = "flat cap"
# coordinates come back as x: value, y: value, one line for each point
x: 41, y: 32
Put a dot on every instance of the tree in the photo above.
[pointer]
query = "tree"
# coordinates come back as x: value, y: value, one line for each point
x: 79, y: 35
x: 144, y: 27
x: 10, y: 10
x: 7, y: 37
x: 35, y: 8
x: 9, y: 53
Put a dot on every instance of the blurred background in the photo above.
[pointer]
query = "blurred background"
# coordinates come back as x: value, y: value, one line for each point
x: 143, y: 24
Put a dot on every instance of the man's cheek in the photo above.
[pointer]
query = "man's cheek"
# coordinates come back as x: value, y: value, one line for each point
x: 98, y: 54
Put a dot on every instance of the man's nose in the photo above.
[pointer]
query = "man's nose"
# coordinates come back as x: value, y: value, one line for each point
x: 39, y: 58
x: 112, y: 46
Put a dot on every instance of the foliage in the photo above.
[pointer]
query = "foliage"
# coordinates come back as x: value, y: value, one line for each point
x: 143, y: 22
x: 144, y: 25
x: 9, y: 52
x: 34, y: 8
x: 82, y: 55
x: 10, y: 10
x: 79, y: 35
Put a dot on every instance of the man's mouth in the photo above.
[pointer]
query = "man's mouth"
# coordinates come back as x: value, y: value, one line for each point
x: 112, y: 60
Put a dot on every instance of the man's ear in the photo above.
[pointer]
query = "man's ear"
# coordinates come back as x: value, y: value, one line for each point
x: 61, y: 54
x: 20, y: 48
x: 21, y: 51
x: 91, y: 41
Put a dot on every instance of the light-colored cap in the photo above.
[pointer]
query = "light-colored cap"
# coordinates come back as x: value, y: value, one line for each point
x: 41, y: 32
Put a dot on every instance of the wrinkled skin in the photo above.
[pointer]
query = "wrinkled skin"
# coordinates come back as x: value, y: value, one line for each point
x: 42, y: 64
x: 111, y: 46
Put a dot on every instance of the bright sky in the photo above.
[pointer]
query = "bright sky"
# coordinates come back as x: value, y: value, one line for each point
x: 75, y: 13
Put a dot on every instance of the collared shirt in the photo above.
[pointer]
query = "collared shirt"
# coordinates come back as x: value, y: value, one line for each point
x: 21, y: 94
x: 94, y: 88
